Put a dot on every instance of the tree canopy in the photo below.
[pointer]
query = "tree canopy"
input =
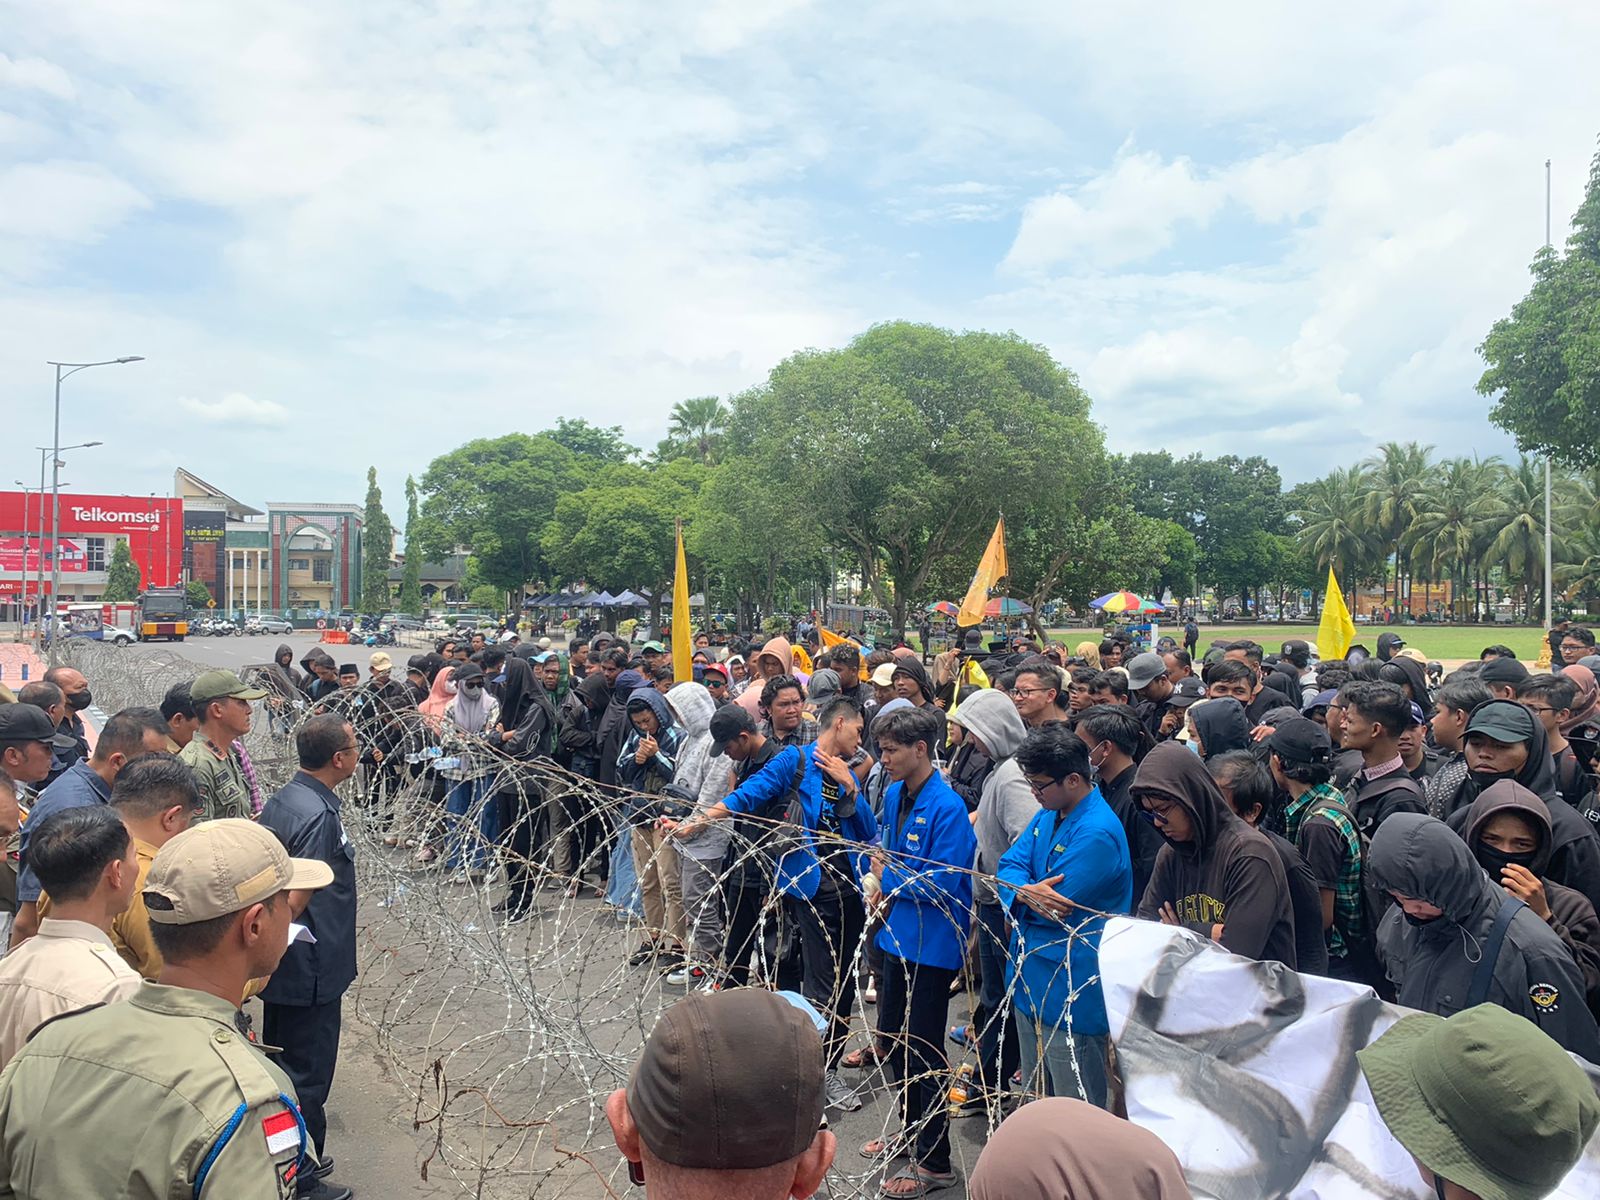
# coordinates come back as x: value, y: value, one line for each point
x: 122, y: 574
x: 377, y: 546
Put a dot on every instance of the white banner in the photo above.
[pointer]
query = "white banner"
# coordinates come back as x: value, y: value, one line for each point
x: 1248, y: 1071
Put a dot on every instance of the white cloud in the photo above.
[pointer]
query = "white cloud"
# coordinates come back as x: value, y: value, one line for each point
x: 35, y: 75
x: 64, y: 201
x: 236, y: 409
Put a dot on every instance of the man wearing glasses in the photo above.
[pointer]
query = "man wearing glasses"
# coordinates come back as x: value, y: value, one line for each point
x: 1035, y: 692
x: 301, y: 1003
x: 1576, y: 643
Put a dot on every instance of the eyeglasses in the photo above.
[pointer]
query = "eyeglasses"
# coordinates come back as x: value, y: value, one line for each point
x: 1038, y: 785
x: 1016, y: 691
x: 1157, y: 816
x: 351, y: 746
x: 1538, y: 708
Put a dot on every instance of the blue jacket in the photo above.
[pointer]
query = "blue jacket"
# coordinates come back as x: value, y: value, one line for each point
x: 76, y: 787
x: 928, y: 882
x: 1090, y: 850
x: 798, y: 873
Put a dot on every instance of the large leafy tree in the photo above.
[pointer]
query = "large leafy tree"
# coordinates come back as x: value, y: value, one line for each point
x: 602, y: 444
x: 411, y: 575
x: 756, y: 536
x: 122, y: 575
x: 1333, y: 525
x: 908, y: 442
x: 1544, y: 359
x: 377, y: 548
x: 696, y: 428
x: 1393, y: 479
x: 1517, y: 516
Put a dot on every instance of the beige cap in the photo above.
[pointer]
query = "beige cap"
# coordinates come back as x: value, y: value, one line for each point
x: 381, y: 661
x: 883, y: 674
x: 222, y: 867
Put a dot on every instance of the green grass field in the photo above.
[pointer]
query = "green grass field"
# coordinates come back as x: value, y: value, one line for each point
x: 1436, y: 641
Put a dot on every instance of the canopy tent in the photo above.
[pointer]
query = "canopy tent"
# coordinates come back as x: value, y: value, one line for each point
x: 605, y: 600
x: 1125, y: 602
x: 631, y: 599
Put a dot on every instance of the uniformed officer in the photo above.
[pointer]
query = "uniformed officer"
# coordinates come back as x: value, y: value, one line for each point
x: 162, y: 1095
x: 222, y: 702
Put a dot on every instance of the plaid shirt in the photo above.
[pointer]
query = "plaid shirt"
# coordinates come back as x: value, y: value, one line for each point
x: 1328, y: 802
x: 802, y: 734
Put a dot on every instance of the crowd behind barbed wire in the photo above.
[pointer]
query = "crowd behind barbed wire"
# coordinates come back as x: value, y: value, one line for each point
x: 510, y: 1034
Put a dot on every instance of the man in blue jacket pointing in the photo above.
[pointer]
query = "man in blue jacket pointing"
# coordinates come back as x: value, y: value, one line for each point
x: 1072, y: 858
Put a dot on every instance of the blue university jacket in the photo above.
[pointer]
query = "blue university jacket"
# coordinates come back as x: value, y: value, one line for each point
x: 798, y: 872
x: 928, y: 881
x: 1090, y: 849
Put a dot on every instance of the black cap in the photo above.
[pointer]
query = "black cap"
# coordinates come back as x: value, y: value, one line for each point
x: 1502, y: 670
x: 1503, y: 720
x: 1186, y: 691
x: 727, y: 723
x: 25, y: 723
x: 1301, y: 741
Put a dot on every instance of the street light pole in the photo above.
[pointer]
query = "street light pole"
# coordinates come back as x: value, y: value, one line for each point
x: 39, y: 586
x: 27, y: 536
x: 55, y: 473
x: 1549, y: 610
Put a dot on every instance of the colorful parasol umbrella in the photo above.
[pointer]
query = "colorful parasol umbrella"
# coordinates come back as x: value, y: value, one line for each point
x: 1005, y: 606
x: 943, y: 608
x: 1125, y: 602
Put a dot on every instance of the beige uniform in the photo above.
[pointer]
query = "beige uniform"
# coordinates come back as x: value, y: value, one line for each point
x: 157, y: 1098
x: 66, y: 966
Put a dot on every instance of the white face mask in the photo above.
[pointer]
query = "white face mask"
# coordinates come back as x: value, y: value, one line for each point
x: 450, y: 687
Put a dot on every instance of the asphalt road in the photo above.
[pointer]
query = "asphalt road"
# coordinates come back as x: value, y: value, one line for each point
x: 246, y: 650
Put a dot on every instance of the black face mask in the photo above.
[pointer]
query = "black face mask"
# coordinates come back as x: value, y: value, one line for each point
x: 1419, y: 922
x: 78, y: 701
x: 1494, y: 861
x: 1484, y: 779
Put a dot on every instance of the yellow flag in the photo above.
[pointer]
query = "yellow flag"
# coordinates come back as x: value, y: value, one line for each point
x: 682, y: 636
x: 829, y: 637
x: 1337, y: 630
x: 991, y: 567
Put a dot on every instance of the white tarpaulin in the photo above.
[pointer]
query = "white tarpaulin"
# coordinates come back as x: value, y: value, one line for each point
x: 1248, y: 1071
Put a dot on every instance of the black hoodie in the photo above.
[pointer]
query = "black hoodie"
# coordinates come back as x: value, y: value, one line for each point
x: 1433, y: 963
x: 907, y: 665
x: 1572, y: 917
x: 1574, y: 846
x: 1222, y: 726
x: 1388, y: 643
x: 1228, y: 874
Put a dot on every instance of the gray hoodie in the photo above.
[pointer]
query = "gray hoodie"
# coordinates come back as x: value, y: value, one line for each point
x: 1007, y: 802
x: 699, y: 772
x: 1433, y: 964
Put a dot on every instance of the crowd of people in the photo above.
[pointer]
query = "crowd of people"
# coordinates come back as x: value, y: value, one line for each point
x: 836, y: 823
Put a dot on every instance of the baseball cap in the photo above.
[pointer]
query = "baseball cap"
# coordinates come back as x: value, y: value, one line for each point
x: 1412, y: 653
x: 652, y: 648
x: 1322, y: 699
x: 219, y: 685
x: 1186, y: 691
x: 716, y: 669
x: 221, y: 867
x: 727, y: 723
x: 1144, y: 669
x: 729, y: 1081
x: 544, y: 643
x: 381, y: 662
x: 1502, y: 720
x: 1485, y: 1099
x: 883, y: 674
x: 1301, y: 741
x: 1502, y: 670
x: 25, y: 723
x: 1418, y: 717
x: 544, y: 656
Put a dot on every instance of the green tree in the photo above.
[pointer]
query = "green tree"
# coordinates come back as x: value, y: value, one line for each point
x: 697, y: 426
x: 411, y: 576
x: 1544, y: 359
x: 1394, y: 478
x: 197, y: 594
x: 1333, y: 525
x: 755, y: 536
x: 122, y: 575
x: 1450, y: 529
x: 377, y: 549
x: 488, y: 598
x: 1517, y: 516
x: 603, y: 444
x: 908, y: 442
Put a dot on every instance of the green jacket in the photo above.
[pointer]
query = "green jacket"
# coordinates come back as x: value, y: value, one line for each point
x: 156, y: 1098
x: 221, y: 781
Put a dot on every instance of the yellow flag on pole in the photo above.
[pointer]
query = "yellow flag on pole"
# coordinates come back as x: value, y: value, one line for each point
x: 1337, y: 630
x: 991, y: 568
x: 682, y: 636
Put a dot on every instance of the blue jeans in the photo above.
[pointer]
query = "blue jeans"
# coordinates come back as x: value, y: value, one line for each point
x: 622, y: 887
x: 997, y: 1051
x: 470, y: 844
x: 1047, y: 1053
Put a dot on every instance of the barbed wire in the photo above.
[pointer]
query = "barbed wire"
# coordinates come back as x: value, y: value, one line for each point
x: 509, y: 1035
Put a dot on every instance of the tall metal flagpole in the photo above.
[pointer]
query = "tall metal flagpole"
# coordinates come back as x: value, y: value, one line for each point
x: 1549, y: 610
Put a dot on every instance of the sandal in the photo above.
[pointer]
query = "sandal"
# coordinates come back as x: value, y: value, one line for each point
x: 866, y: 1056
x: 918, y: 1181
x: 885, y: 1148
x: 961, y: 1035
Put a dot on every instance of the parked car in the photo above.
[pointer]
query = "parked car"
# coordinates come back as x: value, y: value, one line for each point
x: 265, y: 623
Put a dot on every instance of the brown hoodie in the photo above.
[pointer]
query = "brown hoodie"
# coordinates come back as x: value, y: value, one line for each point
x: 1228, y: 874
x: 778, y: 648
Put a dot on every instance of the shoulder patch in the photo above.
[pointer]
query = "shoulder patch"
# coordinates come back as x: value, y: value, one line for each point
x: 1546, y: 997
x: 282, y: 1132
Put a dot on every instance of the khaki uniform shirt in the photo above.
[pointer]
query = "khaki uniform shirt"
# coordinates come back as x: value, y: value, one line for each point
x: 130, y: 932
x: 158, y: 1098
x: 68, y: 965
x: 221, y: 781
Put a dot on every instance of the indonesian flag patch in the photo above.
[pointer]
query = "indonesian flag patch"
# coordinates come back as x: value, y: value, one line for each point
x: 283, y: 1132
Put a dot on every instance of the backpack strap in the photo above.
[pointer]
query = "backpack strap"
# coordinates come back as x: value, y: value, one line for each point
x: 1484, y: 975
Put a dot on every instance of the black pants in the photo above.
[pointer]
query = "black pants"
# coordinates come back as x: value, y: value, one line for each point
x: 309, y: 1035
x: 744, y: 918
x: 913, y: 1000
x: 831, y: 924
x: 520, y: 814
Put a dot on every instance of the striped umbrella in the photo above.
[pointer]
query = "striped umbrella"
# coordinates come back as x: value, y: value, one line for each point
x: 1005, y: 606
x: 944, y: 608
x: 1125, y: 602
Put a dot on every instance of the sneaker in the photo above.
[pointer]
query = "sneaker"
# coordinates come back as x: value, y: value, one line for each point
x: 669, y: 960
x: 324, y: 1168
x: 686, y: 975
x: 870, y: 995
x: 642, y: 955
x: 839, y: 1094
x: 321, y: 1189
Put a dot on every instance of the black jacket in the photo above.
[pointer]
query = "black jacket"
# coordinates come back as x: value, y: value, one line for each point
x: 305, y: 816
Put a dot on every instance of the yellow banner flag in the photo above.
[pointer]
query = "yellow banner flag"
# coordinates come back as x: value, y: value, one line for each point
x: 829, y: 637
x: 991, y: 568
x: 682, y: 635
x: 1337, y: 630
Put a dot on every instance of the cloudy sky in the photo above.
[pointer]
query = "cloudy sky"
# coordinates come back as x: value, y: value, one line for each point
x: 353, y: 234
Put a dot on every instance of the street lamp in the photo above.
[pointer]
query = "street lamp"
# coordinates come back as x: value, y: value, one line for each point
x: 64, y: 369
x: 39, y: 584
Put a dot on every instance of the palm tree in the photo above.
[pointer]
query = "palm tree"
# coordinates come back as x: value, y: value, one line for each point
x: 698, y: 425
x: 1394, y: 476
x: 1518, y: 517
x: 1452, y: 511
x: 1333, y: 526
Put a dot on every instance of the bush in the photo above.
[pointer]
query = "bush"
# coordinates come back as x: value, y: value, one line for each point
x: 570, y: 624
x: 625, y: 628
x: 775, y: 625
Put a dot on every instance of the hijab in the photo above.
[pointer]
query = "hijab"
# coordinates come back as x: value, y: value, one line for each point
x: 517, y: 693
x: 471, y: 714
x: 439, y: 694
x: 1068, y: 1150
